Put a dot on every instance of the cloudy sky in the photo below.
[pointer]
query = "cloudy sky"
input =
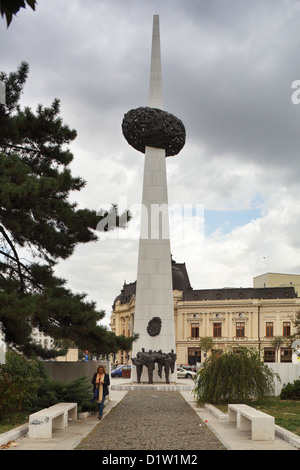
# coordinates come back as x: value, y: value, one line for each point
x: 228, y: 70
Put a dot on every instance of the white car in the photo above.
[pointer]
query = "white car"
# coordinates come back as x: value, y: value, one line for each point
x: 186, y: 374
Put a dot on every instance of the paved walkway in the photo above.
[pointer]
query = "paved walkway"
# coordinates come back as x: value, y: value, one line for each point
x: 150, y: 419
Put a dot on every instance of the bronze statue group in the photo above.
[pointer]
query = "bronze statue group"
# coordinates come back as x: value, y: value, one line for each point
x: 165, y: 361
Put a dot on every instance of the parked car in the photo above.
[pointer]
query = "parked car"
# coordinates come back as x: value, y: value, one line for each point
x: 186, y: 374
x: 187, y: 367
x: 118, y: 371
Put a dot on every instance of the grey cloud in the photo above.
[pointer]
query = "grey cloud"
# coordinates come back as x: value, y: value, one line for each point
x: 228, y: 66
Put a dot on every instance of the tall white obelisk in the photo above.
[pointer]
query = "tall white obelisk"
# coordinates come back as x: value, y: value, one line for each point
x: 154, y: 291
x: 154, y: 308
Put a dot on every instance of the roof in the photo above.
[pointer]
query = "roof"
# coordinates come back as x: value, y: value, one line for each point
x: 181, y: 282
x: 240, y: 293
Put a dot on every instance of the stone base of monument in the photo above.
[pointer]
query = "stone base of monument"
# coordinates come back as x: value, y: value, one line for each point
x: 177, y: 386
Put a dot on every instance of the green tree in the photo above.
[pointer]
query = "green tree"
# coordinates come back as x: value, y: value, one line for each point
x: 234, y: 378
x: 19, y: 382
x: 39, y: 226
x: 8, y: 8
x: 277, y: 342
x: 206, y: 343
x: 296, y: 323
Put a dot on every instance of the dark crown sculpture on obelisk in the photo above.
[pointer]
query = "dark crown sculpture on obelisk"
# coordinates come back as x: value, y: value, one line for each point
x: 157, y: 134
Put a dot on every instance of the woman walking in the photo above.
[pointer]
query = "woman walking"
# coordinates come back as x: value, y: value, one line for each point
x: 100, y: 382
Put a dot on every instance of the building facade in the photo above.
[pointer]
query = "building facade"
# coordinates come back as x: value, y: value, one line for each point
x: 233, y: 317
x: 278, y: 280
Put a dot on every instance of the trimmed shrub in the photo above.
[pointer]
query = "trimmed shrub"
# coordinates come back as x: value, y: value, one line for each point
x: 291, y: 391
x: 52, y: 391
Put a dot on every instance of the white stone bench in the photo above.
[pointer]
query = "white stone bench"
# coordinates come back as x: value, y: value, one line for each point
x: 44, y: 421
x: 261, y: 425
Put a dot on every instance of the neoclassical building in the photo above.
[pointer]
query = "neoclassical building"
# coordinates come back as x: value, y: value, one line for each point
x: 232, y: 317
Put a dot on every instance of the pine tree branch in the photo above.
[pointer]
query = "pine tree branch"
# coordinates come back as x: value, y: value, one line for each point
x: 29, y: 278
x: 19, y: 147
x: 16, y: 258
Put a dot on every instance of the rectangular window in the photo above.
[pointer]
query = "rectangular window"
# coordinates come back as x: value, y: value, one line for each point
x: 269, y: 355
x: 285, y: 355
x: 240, y: 329
x: 286, y: 328
x: 195, y: 330
x: 194, y: 356
x: 269, y: 329
x: 217, y: 330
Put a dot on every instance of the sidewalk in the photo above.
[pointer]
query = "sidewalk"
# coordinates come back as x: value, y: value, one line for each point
x: 66, y: 439
x: 234, y: 439
x: 227, y: 434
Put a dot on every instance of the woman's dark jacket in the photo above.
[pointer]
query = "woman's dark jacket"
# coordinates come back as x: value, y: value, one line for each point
x: 105, y: 384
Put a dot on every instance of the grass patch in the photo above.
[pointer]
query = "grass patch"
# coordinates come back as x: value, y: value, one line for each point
x: 14, y: 420
x: 285, y: 412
